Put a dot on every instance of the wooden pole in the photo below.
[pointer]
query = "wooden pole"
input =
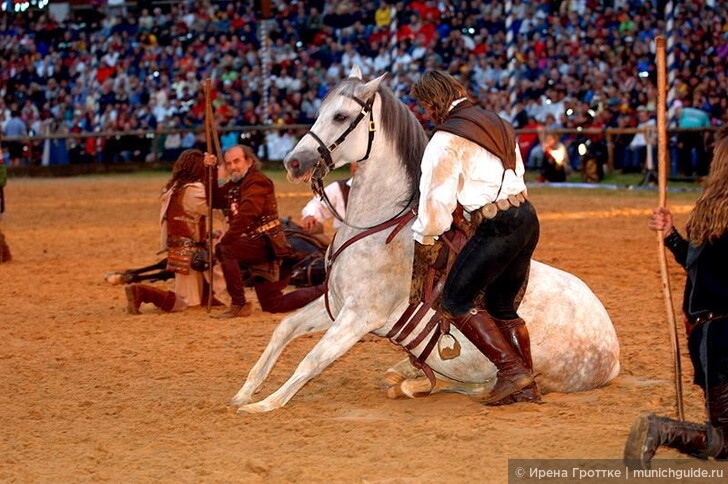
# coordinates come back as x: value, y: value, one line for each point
x: 662, y: 167
x: 210, y: 181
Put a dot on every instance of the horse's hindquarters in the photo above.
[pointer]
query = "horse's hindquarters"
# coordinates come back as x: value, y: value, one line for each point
x: 573, y: 342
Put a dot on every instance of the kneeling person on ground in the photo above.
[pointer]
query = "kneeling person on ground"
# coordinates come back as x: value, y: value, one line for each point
x: 255, y: 234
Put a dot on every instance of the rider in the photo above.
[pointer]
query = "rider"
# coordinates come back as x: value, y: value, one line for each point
x: 473, y: 160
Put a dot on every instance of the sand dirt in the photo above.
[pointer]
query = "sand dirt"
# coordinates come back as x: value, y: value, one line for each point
x: 91, y: 394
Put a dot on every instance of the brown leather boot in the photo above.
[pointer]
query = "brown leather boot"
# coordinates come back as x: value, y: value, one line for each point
x: 513, y: 375
x: 236, y: 311
x: 516, y: 333
x: 136, y: 294
x: 650, y: 432
x: 717, y: 403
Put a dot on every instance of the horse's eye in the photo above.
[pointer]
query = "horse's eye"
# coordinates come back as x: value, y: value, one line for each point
x: 340, y: 117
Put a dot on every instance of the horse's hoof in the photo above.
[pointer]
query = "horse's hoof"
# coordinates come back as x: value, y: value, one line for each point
x: 254, y: 408
x: 392, y: 378
x: 238, y: 400
x: 395, y: 392
x: 114, y: 278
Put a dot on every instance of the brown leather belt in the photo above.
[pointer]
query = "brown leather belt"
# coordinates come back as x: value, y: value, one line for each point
x: 490, y: 210
x: 261, y: 229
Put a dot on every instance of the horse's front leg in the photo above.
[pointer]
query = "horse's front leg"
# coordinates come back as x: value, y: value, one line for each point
x: 338, y: 339
x: 310, y: 319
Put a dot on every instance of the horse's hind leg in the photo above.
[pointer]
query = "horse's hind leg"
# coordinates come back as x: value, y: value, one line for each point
x: 309, y: 319
x: 403, y: 370
x: 411, y: 388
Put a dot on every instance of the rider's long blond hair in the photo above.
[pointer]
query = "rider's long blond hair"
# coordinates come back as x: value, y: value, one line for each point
x: 709, y: 219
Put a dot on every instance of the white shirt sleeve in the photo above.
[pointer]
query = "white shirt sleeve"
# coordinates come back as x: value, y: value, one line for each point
x: 318, y: 209
x: 441, y: 170
x: 457, y: 170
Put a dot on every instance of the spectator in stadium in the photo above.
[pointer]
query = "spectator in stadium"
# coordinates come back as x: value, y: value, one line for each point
x: 16, y: 127
x: 689, y: 141
x: 4, y: 249
x: 636, y: 154
x: 591, y: 53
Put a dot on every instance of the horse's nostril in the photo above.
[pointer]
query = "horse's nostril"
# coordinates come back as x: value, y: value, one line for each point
x: 295, y: 163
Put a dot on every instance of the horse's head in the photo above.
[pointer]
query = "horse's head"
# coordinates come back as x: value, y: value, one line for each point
x: 341, y: 133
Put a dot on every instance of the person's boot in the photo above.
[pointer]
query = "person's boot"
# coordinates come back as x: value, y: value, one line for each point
x: 136, y: 294
x: 513, y: 375
x: 119, y: 278
x: 236, y: 311
x: 4, y: 250
x: 516, y: 333
x: 650, y: 432
x: 717, y: 403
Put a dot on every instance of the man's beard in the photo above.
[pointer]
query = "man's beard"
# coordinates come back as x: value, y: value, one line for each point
x: 236, y: 177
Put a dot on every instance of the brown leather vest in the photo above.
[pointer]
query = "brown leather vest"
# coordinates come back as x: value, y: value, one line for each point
x: 181, y: 226
x: 484, y: 128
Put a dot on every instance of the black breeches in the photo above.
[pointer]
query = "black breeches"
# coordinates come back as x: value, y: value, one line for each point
x: 708, y: 345
x: 496, y: 259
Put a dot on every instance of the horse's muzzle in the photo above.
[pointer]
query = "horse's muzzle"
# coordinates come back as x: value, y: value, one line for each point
x: 300, y: 164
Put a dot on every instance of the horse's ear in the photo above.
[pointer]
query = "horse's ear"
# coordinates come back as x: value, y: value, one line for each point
x: 372, y: 86
x: 355, y: 72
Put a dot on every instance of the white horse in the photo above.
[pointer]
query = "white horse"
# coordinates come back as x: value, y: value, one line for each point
x: 574, y: 345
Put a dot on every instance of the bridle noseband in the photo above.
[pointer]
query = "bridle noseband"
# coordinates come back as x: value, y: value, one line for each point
x: 325, y: 151
x: 319, y: 172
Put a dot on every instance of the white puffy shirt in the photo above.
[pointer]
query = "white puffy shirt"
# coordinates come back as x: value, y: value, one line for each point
x: 457, y: 170
x: 318, y: 209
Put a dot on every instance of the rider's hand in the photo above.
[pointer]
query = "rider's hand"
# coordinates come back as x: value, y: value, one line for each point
x: 308, y: 222
x: 209, y: 160
x: 660, y: 221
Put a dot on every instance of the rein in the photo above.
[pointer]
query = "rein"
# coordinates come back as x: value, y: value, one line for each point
x: 398, y: 222
x: 317, y: 186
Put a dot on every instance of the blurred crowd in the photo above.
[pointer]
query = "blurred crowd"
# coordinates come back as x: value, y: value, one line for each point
x: 577, y: 63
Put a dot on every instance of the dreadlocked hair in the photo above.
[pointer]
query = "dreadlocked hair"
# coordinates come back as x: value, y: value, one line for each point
x: 435, y: 91
x: 188, y: 168
x: 709, y: 219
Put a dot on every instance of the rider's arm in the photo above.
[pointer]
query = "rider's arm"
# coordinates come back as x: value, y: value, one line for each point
x: 318, y: 209
x: 441, y: 171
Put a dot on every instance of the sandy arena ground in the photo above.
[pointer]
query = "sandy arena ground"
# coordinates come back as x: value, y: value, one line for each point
x: 91, y: 394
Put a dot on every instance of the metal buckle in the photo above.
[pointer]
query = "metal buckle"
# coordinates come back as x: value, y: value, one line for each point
x: 372, y: 126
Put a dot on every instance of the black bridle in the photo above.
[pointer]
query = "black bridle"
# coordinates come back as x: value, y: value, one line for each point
x: 320, y: 171
x: 325, y: 151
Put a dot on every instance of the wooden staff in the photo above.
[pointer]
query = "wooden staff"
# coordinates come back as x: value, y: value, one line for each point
x: 209, y: 123
x: 662, y: 184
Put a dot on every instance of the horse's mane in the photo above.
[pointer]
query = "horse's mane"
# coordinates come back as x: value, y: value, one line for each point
x: 402, y: 129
